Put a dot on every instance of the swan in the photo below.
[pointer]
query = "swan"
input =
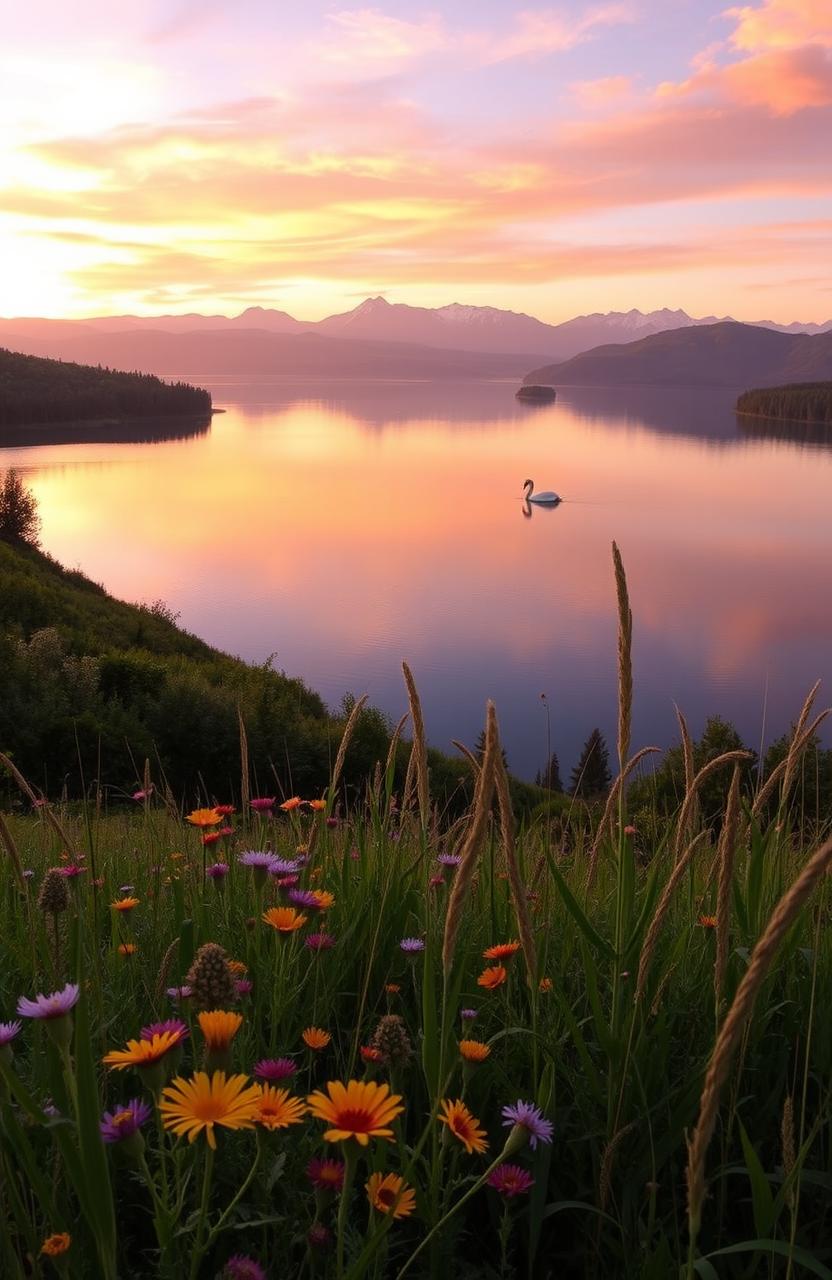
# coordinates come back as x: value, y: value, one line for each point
x: 547, y: 498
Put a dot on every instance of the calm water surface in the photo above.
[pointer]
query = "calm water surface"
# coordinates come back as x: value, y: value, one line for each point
x: 345, y: 527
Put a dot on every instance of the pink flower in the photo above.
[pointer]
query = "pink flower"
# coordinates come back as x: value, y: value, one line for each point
x: 510, y: 1180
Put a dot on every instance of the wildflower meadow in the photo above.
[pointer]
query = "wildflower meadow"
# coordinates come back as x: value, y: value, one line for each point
x: 349, y: 1036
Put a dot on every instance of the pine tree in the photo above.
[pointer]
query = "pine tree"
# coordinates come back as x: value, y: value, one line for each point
x: 19, y: 519
x: 550, y: 776
x: 591, y: 776
x: 479, y: 749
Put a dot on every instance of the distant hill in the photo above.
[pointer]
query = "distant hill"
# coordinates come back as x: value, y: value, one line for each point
x: 241, y: 350
x: 455, y: 327
x: 34, y: 390
x: 718, y: 355
x: 807, y: 402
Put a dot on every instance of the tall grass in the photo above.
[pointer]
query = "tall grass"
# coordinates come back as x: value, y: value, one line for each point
x: 604, y: 1019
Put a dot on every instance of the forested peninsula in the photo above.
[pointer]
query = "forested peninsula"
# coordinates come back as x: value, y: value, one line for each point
x: 34, y: 390
x: 809, y: 402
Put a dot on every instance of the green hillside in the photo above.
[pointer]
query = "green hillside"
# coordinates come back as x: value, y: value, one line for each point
x: 33, y: 390
x: 809, y: 402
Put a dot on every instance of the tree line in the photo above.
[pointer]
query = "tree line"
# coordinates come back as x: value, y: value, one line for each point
x: 797, y: 402
x: 35, y: 390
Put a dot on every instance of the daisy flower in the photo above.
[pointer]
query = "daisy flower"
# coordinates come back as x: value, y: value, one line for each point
x: 277, y: 1109
x: 204, y: 818
x: 316, y: 1039
x: 190, y: 1107
x: 284, y: 919
x: 474, y: 1050
x: 388, y: 1193
x: 219, y: 1028
x: 360, y: 1109
x: 463, y: 1126
x: 502, y: 951
x: 492, y: 978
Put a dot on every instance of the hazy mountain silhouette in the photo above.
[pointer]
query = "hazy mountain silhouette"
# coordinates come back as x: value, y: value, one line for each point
x: 718, y: 355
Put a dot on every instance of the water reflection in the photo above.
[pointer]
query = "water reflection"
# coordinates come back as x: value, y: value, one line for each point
x: 371, y: 522
x: 133, y: 431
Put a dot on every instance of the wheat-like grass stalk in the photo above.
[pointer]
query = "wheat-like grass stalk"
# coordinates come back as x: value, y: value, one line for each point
x: 164, y: 967
x: 245, y: 786
x: 625, y: 659
x: 349, y: 730
x: 791, y: 760
x: 691, y: 794
x: 41, y: 803
x: 420, y: 746
x: 609, y: 808
x: 725, y: 859
x: 394, y: 743
x: 518, y: 890
x: 788, y: 1144
x: 409, y: 788
x: 469, y: 755
x: 470, y: 849
x: 796, y: 750
x: 7, y: 840
x: 607, y: 1161
x: 740, y: 1011
x: 652, y: 935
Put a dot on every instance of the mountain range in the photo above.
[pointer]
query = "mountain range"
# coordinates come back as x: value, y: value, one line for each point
x: 454, y: 328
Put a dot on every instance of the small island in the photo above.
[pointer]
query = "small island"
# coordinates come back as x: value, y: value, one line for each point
x: 34, y: 391
x: 535, y: 394
x: 807, y: 402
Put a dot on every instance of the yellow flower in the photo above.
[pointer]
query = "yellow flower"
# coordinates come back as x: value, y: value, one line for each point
x: 361, y: 1109
x: 474, y: 1050
x: 284, y: 919
x: 315, y: 1038
x: 204, y: 818
x: 464, y: 1126
x: 189, y: 1106
x: 383, y: 1191
x: 142, y: 1053
x: 492, y: 978
x: 219, y: 1028
x: 53, y: 1246
x: 277, y: 1109
x: 125, y: 904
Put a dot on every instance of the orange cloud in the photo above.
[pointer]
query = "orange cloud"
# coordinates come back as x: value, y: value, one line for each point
x: 781, y: 24
x: 600, y: 93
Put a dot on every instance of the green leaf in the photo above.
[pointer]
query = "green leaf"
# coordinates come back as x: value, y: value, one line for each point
x: 761, y: 1193
x: 571, y: 903
x: 800, y: 1256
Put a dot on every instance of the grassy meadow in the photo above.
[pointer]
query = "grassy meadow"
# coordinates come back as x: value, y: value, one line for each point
x: 398, y: 1043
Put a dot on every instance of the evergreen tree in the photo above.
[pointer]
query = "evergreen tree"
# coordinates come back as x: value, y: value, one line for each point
x: 591, y: 776
x: 19, y: 519
x: 479, y: 749
x: 550, y: 776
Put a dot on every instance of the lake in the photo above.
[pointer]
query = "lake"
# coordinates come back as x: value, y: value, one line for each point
x: 345, y: 526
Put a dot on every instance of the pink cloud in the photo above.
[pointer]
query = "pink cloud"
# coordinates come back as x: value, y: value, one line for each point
x: 591, y: 94
x: 362, y: 39
x: 538, y: 32
x: 781, y: 24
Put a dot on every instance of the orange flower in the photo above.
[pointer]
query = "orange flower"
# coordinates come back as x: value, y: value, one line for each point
x: 474, y: 1050
x: 54, y: 1246
x: 189, y: 1106
x: 315, y: 1038
x: 142, y: 1053
x: 284, y: 919
x: 392, y: 988
x: 707, y: 922
x: 545, y: 984
x: 125, y: 904
x: 204, y: 818
x: 464, y: 1126
x: 502, y: 951
x: 294, y: 802
x: 127, y: 949
x: 492, y: 978
x: 324, y: 899
x: 317, y: 805
x: 237, y: 967
x: 219, y: 1028
x: 361, y: 1109
x: 390, y: 1194
x: 277, y: 1109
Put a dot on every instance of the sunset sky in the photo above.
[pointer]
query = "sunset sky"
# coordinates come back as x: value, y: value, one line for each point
x: 171, y: 155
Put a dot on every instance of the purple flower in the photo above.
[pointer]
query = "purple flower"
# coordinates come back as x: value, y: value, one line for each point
x: 285, y: 883
x: 319, y: 1235
x: 262, y: 804
x: 240, y: 1267
x: 159, y: 1028
x: 122, y: 1123
x: 510, y: 1180
x: 303, y: 898
x: 142, y: 795
x: 243, y: 986
x: 8, y: 1031
x: 125, y: 888
x: 257, y: 860
x: 319, y: 941
x: 56, y: 1005
x: 449, y: 859
x: 71, y: 870
x: 468, y: 1015
x: 217, y: 870
x: 179, y: 993
x: 411, y: 946
x: 275, y: 1069
x: 28, y: 874
x: 283, y: 866
x: 525, y: 1115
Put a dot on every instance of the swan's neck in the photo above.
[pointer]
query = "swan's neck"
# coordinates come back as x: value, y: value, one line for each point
x: 529, y: 488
